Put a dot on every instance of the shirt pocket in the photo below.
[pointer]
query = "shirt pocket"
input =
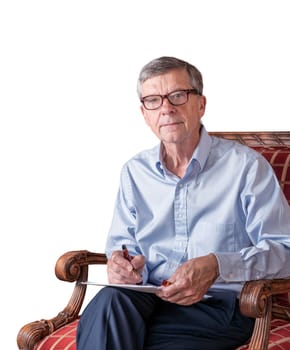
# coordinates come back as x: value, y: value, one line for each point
x: 211, y: 237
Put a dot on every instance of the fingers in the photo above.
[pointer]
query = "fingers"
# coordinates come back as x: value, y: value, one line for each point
x: 179, y: 294
x: 120, y: 270
x: 186, y: 286
x: 190, y: 281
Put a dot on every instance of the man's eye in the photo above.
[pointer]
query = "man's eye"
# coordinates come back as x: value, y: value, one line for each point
x: 177, y: 95
x: 152, y: 99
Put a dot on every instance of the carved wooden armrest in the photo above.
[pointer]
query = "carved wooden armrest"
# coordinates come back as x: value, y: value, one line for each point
x: 70, y: 267
x: 256, y: 301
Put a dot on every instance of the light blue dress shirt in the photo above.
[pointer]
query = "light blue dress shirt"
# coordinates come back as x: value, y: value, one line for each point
x: 228, y: 203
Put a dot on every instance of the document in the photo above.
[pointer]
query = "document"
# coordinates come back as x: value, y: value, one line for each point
x: 147, y: 288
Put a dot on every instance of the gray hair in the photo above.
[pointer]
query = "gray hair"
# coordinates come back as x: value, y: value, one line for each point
x: 164, y: 64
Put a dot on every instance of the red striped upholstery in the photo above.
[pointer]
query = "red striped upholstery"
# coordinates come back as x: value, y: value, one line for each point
x: 62, y: 339
x: 279, y: 336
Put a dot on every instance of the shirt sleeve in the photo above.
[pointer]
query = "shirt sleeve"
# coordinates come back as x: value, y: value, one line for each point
x: 123, y: 226
x: 267, y: 218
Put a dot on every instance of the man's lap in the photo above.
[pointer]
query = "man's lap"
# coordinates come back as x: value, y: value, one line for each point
x: 216, y: 320
x: 215, y: 323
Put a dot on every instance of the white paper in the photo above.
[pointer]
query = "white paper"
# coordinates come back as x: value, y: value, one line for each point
x: 147, y: 288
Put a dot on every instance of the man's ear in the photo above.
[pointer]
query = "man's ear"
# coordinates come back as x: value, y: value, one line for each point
x: 202, y: 105
x: 142, y: 109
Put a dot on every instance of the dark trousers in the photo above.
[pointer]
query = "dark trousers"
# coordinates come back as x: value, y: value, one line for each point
x: 121, y: 319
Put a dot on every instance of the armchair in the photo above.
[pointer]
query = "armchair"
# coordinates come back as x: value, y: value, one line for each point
x: 266, y: 300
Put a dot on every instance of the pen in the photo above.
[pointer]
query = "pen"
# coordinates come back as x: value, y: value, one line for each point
x: 128, y: 257
x: 126, y: 254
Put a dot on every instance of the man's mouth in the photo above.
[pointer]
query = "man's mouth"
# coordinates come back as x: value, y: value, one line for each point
x: 170, y: 124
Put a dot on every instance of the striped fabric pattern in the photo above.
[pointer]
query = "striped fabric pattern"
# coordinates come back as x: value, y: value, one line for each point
x: 62, y: 339
x: 65, y: 337
x: 279, y: 336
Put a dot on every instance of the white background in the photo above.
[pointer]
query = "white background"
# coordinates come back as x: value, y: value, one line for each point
x: 70, y: 116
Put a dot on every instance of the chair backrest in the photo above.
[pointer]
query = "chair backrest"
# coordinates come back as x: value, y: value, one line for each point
x: 274, y: 146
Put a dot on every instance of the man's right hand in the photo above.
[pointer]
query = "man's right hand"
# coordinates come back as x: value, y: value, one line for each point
x: 120, y: 270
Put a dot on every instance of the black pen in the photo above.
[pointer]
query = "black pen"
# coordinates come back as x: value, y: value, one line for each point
x: 128, y: 257
x: 126, y: 254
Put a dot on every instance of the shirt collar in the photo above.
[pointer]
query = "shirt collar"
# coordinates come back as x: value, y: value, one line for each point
x: 200, y: 153
x: 202, y: 149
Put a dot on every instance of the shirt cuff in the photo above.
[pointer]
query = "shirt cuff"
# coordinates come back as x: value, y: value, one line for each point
x: 231, y: 267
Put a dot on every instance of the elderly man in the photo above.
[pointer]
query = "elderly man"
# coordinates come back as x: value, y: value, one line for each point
x: 201, y: 213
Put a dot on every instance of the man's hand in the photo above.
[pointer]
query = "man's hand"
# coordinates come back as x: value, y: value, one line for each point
x: 120, y: 270
x: 191, y: 281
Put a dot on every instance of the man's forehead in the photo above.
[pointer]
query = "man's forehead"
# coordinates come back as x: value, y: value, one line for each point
x: 173, y: 79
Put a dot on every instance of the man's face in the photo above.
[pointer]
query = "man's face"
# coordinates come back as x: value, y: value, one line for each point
x: 173, y: 124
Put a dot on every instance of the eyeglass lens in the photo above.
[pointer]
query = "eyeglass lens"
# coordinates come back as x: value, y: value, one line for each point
x: 176, y: 98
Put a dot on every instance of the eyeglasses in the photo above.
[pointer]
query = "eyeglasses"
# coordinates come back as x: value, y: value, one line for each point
x: 176, y: 98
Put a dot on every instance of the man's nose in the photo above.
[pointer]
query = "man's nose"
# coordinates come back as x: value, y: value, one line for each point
x: 166, y: 105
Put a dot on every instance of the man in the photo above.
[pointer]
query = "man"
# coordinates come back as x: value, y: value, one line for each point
x: 203, y: 213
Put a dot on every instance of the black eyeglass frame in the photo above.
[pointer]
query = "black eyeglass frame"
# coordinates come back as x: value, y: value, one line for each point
x: 188, y: 91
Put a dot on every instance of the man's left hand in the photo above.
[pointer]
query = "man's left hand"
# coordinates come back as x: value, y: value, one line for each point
x: 191, y: 280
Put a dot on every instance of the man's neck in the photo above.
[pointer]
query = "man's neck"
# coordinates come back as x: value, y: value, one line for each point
x: 177, y: 156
